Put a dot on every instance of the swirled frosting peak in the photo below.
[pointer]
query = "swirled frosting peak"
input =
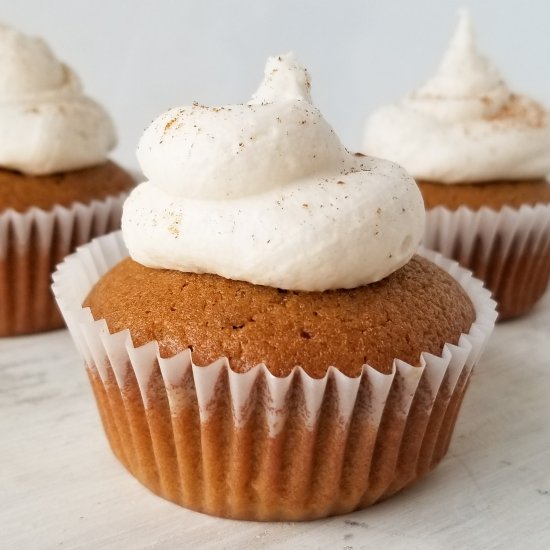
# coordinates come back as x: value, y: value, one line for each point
x: 284, y: 78
x: 464, y: 125
x: 466, y: 85
x: 265, y: 192
x: 48, y: 124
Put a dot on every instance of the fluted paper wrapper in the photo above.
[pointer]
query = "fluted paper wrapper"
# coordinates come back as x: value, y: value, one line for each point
x: 508, y: 249
x: 31, y: 245
x: 254, y: 446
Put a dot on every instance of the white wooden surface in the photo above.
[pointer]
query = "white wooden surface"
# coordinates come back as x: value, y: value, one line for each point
x: 60, y: 487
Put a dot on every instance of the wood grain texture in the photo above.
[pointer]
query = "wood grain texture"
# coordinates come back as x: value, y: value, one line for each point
x: 60, y: 486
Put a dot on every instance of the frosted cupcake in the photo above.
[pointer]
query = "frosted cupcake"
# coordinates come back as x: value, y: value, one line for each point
x: 480, y: 154
x: 57, y: 188
x: 273, y: 348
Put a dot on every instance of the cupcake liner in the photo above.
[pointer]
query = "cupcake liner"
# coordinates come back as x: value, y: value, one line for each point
x: 254, y: 446
x: 509, y: 249
x: 31, y: 245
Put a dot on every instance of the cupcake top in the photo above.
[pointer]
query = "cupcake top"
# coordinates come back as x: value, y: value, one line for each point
x: 266, y: 193
x: 48, y: 124
x: 464, y: 125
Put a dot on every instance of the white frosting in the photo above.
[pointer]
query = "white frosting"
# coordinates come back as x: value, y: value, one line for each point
x: 464, y: 125
x: 48, y: 125
x: 266, y: 193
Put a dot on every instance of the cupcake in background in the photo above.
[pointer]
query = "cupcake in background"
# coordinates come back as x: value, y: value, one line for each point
x: 273, y: 348
x: 57, y: 187
x: 480, y: 154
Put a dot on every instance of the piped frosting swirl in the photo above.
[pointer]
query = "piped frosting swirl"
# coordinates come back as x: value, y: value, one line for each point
x: 266, y: 193
x: 464, y: 125
x: 48, y: 124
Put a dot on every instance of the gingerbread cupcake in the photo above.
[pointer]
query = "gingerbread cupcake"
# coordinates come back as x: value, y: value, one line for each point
x: 57, y: 188
x: 273, y: 348
x: 480, y: 154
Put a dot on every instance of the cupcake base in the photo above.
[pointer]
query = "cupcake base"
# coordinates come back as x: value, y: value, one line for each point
x: 517, y: 279
x: 508, y: 249
x: 299, y: 474
x: 257, y: 447
x: 31, y: 245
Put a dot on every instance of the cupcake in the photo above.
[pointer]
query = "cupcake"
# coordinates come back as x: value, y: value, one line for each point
x: 263, y: 340
x: 57, y: 188
x: 480, y: 155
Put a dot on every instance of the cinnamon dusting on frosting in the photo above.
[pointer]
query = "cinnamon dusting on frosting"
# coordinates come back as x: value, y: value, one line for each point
x: 269, y: 171
x: 464, y: 125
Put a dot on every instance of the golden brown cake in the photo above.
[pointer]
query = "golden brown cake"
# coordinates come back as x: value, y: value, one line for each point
x: 197, y: 455
x: 21, y: 192
x: 26, y: 302
x: 418, y: 308
x: 493, y: 194
x: 514, y: 261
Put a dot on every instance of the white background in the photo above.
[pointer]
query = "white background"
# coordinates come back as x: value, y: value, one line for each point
x: 140, y: 57
x: 60, y: 487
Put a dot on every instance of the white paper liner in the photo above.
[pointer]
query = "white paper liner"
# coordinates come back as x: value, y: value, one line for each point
x: 509, y: 249
x: 100, y: 349
x: 362, y: 399
x: 31, y: 244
